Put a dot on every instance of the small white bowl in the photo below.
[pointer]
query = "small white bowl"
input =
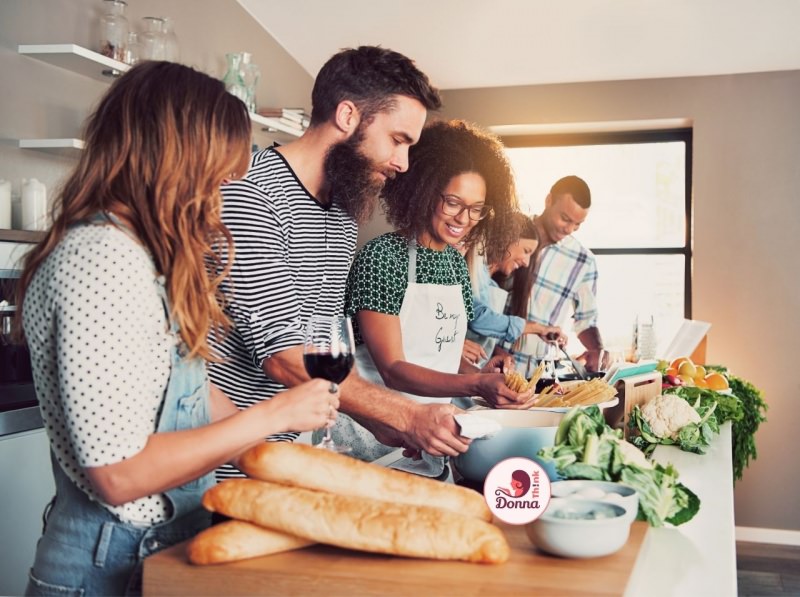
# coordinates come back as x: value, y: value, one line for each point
x: 607, y: 491
x: 580, y: 537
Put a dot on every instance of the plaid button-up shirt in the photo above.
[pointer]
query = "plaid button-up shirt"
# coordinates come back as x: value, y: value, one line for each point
x: 566, y: 281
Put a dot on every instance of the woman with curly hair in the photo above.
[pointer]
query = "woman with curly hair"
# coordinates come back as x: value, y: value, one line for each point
x: 516, y: 268
x: 117, y: 302
x: 409, y: 291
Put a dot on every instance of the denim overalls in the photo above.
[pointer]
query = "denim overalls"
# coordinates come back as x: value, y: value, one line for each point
x: 87, y: 550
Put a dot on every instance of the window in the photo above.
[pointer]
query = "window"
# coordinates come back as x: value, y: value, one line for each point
x: 639, y: 224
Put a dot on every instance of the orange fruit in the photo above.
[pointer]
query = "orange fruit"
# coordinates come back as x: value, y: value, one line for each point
x: 671, y: 371
x: 678, y: 362
x: 700, y: 372
x: 716, y: 381
x: 700, y: 382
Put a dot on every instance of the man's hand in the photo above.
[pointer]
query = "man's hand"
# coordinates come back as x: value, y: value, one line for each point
x: 431, y: 428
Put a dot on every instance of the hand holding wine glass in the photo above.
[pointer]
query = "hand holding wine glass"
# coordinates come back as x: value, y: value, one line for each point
x: 329, y: 353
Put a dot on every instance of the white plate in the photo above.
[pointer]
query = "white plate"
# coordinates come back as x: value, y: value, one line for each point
x: 562, y: 409
x: 481, y: 404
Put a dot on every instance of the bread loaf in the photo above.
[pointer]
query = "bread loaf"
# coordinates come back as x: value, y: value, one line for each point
x: 360, y: 523
x: 305, y: 466
x: 238, y: 540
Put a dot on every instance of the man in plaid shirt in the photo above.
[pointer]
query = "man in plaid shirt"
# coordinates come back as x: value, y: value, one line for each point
x: 566, y: 271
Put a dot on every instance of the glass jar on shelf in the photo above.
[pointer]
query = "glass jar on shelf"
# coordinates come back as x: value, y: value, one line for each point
x: 151, y: 40
x: 114, y: 28
x: 233, y: 80
x: 172, y: 50
x: 132, y: 49
x: 250, y: 75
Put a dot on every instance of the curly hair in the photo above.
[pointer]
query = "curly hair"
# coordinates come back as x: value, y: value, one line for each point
x: 369, y: 76
x: 445, y: 150
x: 157, y: 147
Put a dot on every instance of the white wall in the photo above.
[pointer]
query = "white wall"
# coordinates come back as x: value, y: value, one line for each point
x: 746, y: 198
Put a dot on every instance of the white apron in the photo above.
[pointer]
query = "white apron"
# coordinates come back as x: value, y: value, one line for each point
x: 497, y: 303
x: 433, y: 322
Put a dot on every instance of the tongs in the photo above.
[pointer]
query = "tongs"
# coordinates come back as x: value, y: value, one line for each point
x: 579, y: 369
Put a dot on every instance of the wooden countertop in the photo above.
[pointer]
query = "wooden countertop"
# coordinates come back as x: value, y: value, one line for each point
x: 323, y: 570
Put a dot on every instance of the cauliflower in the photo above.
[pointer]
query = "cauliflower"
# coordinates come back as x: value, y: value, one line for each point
x: 667, y: 414
x: 631, y: 455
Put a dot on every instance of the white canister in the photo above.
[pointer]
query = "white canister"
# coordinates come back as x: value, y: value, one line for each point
x: 34, y: 205
x: 5, y: 204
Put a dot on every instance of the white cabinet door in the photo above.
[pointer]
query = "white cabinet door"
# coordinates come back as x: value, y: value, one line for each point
x: 26, y: 485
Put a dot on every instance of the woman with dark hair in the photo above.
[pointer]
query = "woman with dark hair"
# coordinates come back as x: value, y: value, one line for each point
x: 117, y: 303
x: 409, y: 291
x: 517, y: 264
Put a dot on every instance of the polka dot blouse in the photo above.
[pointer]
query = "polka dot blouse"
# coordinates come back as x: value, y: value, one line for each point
x: 100, y: 350
x: 379, y: 276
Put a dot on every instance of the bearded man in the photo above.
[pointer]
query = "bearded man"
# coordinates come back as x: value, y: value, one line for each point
x: 294, y: 219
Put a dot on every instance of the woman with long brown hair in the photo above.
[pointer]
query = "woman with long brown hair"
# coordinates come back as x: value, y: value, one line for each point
x: 117, y: 303
x: 499, y: 316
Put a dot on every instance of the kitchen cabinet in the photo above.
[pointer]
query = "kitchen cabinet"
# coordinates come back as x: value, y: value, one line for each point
x: 87, y: 63
x: 27, y: 485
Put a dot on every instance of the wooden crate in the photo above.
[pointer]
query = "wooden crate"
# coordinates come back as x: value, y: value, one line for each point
x: 633, y: 390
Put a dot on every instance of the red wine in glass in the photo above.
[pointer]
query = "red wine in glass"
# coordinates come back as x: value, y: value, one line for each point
x: 327, y: 366
x: 329, y: 353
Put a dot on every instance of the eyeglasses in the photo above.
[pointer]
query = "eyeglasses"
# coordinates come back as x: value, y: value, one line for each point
x: 452, y: 206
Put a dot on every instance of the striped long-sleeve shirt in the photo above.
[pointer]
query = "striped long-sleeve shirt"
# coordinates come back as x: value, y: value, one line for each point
x: 292, y: 259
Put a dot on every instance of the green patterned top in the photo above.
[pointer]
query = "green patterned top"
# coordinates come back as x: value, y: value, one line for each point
x: 379, y: 276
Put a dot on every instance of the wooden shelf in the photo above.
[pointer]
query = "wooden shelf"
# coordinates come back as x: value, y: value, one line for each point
x: 68, y: 147
x: 76, y: 59
x: 21, y: 236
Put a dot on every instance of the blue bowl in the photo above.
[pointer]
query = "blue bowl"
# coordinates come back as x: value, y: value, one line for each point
x: 523, y: 434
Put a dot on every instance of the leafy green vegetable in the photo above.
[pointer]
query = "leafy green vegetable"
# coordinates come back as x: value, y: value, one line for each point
x: 744, y: 407
x: 587, y: 448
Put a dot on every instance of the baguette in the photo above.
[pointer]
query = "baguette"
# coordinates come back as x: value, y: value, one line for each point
x: 238, y: 540
x: 308, y: 467
x: 359, y: 523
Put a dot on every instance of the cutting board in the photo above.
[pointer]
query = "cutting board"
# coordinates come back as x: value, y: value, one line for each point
x: 323, y: 570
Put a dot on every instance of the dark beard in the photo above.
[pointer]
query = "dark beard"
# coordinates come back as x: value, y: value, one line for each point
x: 350, y: 179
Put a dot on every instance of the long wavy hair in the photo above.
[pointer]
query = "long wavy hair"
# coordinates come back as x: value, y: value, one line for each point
x: 445, y: 150
x: 158, y: 146
x: 520, y: 283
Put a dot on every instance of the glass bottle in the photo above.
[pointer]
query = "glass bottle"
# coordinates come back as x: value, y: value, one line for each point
x: 132, y: 49
x: 233, y: 80
x: 114, y: 30
x: 171, y: 48
x: 250, y: 75
x: 151, y: 41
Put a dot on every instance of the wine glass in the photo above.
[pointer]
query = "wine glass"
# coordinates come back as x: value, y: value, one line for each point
x: 610, y: 358
x: 329, y: 353
x: 547, y: 353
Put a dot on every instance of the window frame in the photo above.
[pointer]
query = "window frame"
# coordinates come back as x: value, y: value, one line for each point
x: 684, y: 135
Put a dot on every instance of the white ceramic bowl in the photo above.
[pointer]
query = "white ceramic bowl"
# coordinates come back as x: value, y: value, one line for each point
x: 523, y: 434
x: 606, y: 491
x: 580, y: 537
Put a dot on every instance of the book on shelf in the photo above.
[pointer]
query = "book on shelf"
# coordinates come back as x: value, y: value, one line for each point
x: 271, y: 111
x: 296, y: 115
x: 291, y: 123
